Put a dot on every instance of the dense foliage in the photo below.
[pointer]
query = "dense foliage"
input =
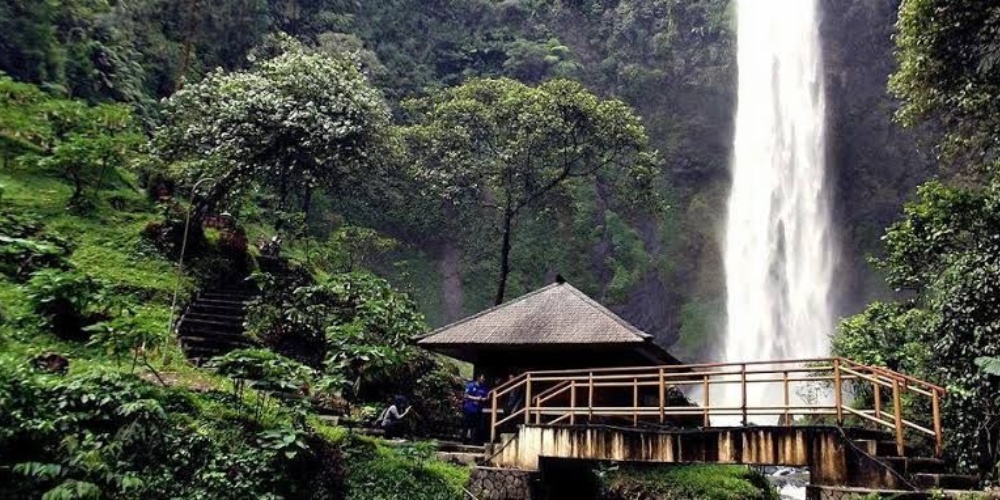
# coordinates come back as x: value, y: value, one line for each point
x: 943, y: 255
x: 505, y: 148
x: 292, y: 123
x: 688, y: 482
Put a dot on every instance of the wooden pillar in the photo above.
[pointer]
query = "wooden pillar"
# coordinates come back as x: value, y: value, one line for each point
x: 706, y: 401
x: 897, y: 408
x: 663, y: 397
x: 572, y: 402
x: 635, y: 402
x: 590, y: 399
x: 838, y: 395
x: 878, y: 398
x: 788, y: 418
x: 938, y: 437
x: 743, y: 391
x: 527, y: 398
x: 493, y: 416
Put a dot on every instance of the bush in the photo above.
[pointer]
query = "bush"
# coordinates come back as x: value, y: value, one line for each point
x: 21, y: 257
x: 116, y: 436
x: 688, y: 482
x: 375, y: 472
x: 68, y: 301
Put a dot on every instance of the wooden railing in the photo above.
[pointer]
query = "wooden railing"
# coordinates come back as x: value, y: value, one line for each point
x: 639, y: 396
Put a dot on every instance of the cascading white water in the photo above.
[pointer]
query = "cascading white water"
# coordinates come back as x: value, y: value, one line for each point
x: 779, y: 248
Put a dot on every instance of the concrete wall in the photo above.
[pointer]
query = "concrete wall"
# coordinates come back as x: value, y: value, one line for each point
x: 822, y: 449
x: 489, y: 483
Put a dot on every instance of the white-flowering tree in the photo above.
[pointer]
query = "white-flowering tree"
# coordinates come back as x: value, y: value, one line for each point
x: 290, y: 124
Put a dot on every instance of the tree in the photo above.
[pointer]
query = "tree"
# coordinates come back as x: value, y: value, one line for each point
x: 945, y: 254
x: 949, y: 71
x: 100, y: 139
x: 505, y: 147
x: 291, y: 123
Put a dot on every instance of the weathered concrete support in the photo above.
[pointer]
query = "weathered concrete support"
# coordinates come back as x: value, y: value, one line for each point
x: 822, y: 449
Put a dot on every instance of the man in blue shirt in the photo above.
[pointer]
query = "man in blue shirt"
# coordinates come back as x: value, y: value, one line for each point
x: 476, y: 392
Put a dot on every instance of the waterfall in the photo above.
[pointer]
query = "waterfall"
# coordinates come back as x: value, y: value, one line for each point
x: 779, y: 250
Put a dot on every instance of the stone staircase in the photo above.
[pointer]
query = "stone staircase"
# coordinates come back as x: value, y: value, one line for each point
x: 918, y: 473
x: 212, y: 324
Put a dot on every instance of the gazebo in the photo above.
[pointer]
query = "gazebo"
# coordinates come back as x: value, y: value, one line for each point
x: 552, y: 328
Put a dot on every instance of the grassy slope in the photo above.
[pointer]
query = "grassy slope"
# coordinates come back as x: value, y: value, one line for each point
x: 108, y: 246
x: 707, y: 482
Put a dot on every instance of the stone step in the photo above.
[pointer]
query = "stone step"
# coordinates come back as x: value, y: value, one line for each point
x: 221, y: 302
x: 221, y: 318
x: 881, y: 448
x: 205, y: 353
x: 928, y: 481
x: 459, y: 458
x: 913, y: 465
x: 224, y: 340
x: 456, y: 447
x: 238, y: 297
x: 190, y: 324
x: 228, y: 310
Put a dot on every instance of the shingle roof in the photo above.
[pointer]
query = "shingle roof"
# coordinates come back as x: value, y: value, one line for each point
x: 555, y: 314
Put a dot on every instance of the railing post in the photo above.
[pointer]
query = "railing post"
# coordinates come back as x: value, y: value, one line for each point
x: 493, y: 417
x: 878, y: 398
x: 572, y: 402
x: 663, y: 397
x: 527, y: 398
x: 838, y: 395
x: 743, y: 387
x: 635, y: 402
x: 938, y: 437
x: 590, y: 399
x: 788, y: 419
x: 707, y: 401
x: 897, y: 408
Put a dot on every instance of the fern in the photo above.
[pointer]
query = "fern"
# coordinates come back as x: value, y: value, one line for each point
x: 989, y: 364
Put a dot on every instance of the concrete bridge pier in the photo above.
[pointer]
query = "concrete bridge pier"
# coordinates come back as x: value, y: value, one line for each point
x: 832, y: 458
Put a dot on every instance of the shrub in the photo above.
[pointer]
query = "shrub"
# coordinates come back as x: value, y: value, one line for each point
x: 376, y: 472
x: 682, y: 482
x: 21, y: 257
x: 68, y: 301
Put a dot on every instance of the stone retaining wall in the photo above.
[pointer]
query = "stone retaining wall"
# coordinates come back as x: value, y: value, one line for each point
x: 489, y: 483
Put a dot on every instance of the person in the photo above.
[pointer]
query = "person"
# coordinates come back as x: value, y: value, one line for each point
x: 476, y: 393
x: 391, y: 420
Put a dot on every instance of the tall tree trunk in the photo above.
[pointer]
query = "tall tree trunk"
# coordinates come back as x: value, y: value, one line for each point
x: 504, y: 257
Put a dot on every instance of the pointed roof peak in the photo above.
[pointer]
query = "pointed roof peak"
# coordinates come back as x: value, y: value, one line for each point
x: 555, y: 314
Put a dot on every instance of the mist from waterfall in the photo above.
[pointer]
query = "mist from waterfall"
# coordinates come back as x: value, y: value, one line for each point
x: 779, y: 248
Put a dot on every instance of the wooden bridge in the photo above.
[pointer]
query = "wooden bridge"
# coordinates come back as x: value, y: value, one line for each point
x: 856, y: 412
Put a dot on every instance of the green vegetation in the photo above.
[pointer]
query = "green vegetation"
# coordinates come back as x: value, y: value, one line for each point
x: 496, y: 150
x: 943, y: 254
x: 686, y: 482
x: 96, y: 397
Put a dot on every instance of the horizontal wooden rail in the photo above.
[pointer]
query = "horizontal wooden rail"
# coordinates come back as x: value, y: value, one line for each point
x: 639, y: 394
